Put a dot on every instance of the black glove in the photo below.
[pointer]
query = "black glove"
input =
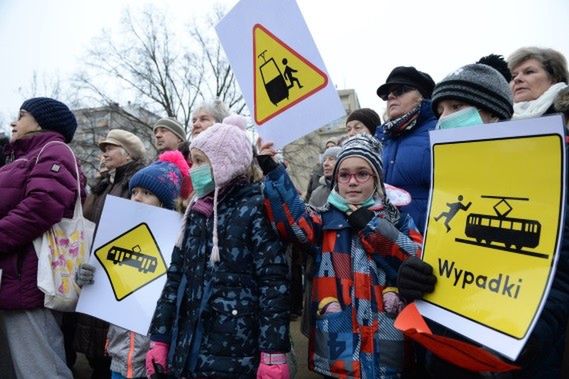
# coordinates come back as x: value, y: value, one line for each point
x: 359, y: 218
x: 531, y: 351
x: 267, y: 163
x: 415, y: 278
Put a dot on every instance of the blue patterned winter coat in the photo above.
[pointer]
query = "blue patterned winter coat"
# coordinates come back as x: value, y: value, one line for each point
x: 218, y: 318
x: 407, y: 163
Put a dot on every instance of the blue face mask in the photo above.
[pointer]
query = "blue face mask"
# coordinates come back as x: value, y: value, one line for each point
x: 202, y: 180
x: 468, y: 116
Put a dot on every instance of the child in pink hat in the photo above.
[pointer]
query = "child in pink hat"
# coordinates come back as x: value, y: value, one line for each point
x: 224, y: 310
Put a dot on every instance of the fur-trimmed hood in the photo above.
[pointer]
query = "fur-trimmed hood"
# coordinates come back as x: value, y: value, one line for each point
x: 561, y: 103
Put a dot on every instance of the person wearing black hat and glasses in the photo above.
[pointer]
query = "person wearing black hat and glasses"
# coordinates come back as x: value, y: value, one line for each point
x: 405, y: 136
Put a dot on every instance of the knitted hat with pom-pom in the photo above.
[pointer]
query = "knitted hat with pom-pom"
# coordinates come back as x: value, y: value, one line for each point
x: 227, y: 147
x: 480, y: 85
x: 167, y: 178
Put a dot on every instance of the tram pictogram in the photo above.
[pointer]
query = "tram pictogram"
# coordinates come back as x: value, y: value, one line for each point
x: 501, y: 232
x: 273, y: 79
x: 134, y: 258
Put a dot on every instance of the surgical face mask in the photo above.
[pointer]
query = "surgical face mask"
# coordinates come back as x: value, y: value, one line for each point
x: 202, y: 180
x: 468, y: 116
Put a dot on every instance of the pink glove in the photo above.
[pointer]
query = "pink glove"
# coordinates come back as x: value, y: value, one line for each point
x: 157, y: 354
x: 273, y: 366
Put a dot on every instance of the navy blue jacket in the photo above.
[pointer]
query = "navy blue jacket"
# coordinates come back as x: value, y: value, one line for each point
x: 217, y: 319
x: 407, y: 163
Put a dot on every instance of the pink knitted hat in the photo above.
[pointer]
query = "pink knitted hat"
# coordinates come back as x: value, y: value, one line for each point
x: 230, y: 154
x: 227, y: 147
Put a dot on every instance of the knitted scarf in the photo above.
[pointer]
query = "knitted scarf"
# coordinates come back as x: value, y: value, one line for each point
x: 401, y: 124
x: 537, y: 107
x: 382, y: 206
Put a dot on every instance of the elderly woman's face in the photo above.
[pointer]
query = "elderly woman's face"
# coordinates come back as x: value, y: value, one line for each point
x: 114, y: 156
x: 25, y: 124
x: 356, y: 127
x: 529, y: 81
x: 400, y: 103
x: 201, y: 121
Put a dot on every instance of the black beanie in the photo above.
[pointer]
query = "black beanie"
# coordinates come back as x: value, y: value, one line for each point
x: 366, y: 116
x: 52, y: 115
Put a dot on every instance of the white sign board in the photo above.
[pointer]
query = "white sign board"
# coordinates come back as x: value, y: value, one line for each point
x: 131, y: 253
x: 282, y: 76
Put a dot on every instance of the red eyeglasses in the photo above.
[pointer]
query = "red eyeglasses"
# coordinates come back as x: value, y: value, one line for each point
x: 360, y: 176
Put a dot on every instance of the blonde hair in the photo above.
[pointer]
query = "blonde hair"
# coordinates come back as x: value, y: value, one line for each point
x: 552, y: 61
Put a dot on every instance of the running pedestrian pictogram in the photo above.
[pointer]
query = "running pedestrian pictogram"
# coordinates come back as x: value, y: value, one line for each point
x: 282, y: 76
x: 131, y: 260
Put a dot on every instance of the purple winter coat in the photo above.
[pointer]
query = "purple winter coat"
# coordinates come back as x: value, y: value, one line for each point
x: 33, y: 197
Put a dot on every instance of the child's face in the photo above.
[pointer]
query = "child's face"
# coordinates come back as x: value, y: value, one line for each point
x: 356, y: 180
x: 143, y: 195
x: 198, y: 157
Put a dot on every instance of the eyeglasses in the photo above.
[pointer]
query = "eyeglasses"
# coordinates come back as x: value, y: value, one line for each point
x: 397, y: 91
x: 360, y: 176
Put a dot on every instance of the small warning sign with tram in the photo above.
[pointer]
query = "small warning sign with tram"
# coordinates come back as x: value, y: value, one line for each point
x: 282, y: 76
x: 494, y: 227
x: 131, y: 260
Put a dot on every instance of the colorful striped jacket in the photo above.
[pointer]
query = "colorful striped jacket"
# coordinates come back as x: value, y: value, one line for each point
x: 353, y: 267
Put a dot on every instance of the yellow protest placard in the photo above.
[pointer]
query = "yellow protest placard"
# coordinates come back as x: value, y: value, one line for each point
x: 282, y: 76
x: 493, y: 228
x: 131, y: 260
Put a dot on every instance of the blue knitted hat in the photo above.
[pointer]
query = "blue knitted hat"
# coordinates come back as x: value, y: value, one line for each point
x: 53, y: 115
x: 167, y: 178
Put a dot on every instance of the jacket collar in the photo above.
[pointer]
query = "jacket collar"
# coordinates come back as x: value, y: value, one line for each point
x: 35, y: 141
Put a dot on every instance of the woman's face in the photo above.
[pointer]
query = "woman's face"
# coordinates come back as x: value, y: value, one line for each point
x: 328, y: 166
x: 142, y: 195
x: 399, y: 104
x: 26, y: 123
x: 356, y: 180
x: 201, y: 121
x: 529, y: 81
x: 356, y: 127
x: 114, y: 156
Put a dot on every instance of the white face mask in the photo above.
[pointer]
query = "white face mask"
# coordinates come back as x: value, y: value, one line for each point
x: 468, y: 116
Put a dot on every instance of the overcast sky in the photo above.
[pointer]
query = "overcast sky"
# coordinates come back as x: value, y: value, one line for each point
x: 360, y: 41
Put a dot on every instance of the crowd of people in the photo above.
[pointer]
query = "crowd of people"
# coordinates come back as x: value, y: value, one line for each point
x: 254, y: 252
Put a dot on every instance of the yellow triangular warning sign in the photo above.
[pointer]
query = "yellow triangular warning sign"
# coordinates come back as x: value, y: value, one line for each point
x: 282, y: 77
x: 131, y: 260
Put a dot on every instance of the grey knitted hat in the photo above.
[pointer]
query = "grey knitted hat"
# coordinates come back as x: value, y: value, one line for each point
x: 363, y: 146
x: 172, y: 125
x: 479, y: 85
x: 332, y: 151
